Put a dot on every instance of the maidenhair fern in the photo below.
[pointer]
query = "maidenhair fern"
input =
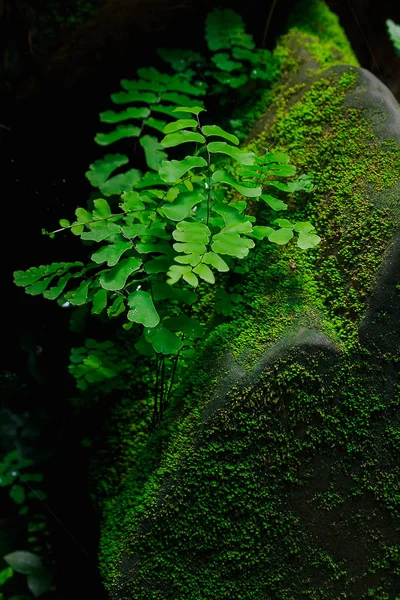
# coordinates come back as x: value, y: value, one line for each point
x: 394, y: 33
x: 164, y: 231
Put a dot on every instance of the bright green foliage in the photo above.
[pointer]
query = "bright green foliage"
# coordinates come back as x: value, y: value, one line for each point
x: 394, y: 33
x: 178, y: 227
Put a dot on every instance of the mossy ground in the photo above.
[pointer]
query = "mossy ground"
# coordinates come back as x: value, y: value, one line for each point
x: 286, y: 484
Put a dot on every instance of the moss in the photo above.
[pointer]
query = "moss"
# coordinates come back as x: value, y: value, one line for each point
x: 275, y: 472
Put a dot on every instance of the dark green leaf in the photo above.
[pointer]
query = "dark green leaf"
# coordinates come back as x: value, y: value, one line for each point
x: 134, y: 96
x: 24, y: 562
x: 80, y: 296
x: 121, y: 132
x: 115, y: 278
x: 121, y: 183
x: 187, y: 325
x: 101, y: 169
x: 153, y: 151
x: 142, y: 309
x: 117, y: 307
x: 155, y: 124
x: 223, y: 61
x: 195, y: 110
x: 110, y: 116
x: 40, y: 582
x: 163, y: 340
x: 17, y: 493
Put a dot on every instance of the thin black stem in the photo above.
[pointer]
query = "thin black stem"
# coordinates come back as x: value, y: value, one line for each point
x: 162, y: 386
x: 171, y: 381
x: 155, y: 403
x: 268, y: 23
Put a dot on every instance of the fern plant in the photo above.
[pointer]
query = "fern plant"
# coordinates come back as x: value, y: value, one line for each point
x: 394, y: 34
x: 156, y: 235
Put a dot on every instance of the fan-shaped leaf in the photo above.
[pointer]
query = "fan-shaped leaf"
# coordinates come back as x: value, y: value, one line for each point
x: 281, y: 236
x: 134, y: 96
x: 99, y: 301
x: 210, y: 130
x: 180, y: 124
x: 195, y: 110
x: 163, y: 340
x: 204, y: 272
x: 181, y: 137
x: 191, y: 232
x: 153, y: 151
x: 304, y: 226
x: 155, y: 124
x: 102, y: 209
x: 221, y: 176
x: 101, y: 169
x: 307, y: 240
x: 101, y: 232
x: 260, y: 232
x: 133, y: 112
x: 141, y: 84
x: 232, y: 244
x: 244, y: 158
x: 181, y: 207
x: 215, y: 261
x: 111, y: 253
x: 115, y: 278
x: 190, y: 248
x: 121, y: 183
x: 273, y: 202
x: 122, y: 131
x: 55, y: 291
x: 172, y: 170
x: 142, y: 309
x: 224, y: 62
x: 187, y: 325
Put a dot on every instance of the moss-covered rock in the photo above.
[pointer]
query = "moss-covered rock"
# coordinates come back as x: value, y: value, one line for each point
x: 276, y: 474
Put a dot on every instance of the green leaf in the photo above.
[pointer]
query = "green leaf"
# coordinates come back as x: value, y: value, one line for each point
x: 117, y: 307
x: 307, y: 240
x: 182, y: 206
x: 163, y: 340
x: 204, y: 272
x: 56, y: 290
x: 102, y: 209
x: 215, y: 261
x: 171, y: 171
x: 190, y: 248
x: 153, y: 151
x: 121, y: 132
x: 110, y: 116
x: 179, y: 59
x: 24, y: 562
x: 195, y: 110
x: 260, y: 232
x: 5, y: 575
x: 284, y: 223
x: 180, y: 124
x: 304, y: 226
x: 177, y: 98
x: 394, y: 33
x: 244, y: 158
x: 231, y: 80
x: 115, y: 278
x: 191, y: 279
x: 134, y: 96
x: 17, y: 493
x: 273, y: 202
x: 191, y: 232
x: 142, y: 309
x: 101, y: 232
x: 79, y: 296
x: 83, y: 215
x: 124, y: 182
x: 210, y: 130
x: 281, y: 236
x: 224, y: 62
x: 231, y: 213
x: 157, y: 265
x: 40, y: 582
x: 155, y: 124
x: 101, y: 169
x: 187, y: 325
x: 153, y: 86
x: 64, y: 223
x: 111, y: 253
x: 181, y: 137
x: 221, y: 176
x: 232, y: 244
x: 175, y: 273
